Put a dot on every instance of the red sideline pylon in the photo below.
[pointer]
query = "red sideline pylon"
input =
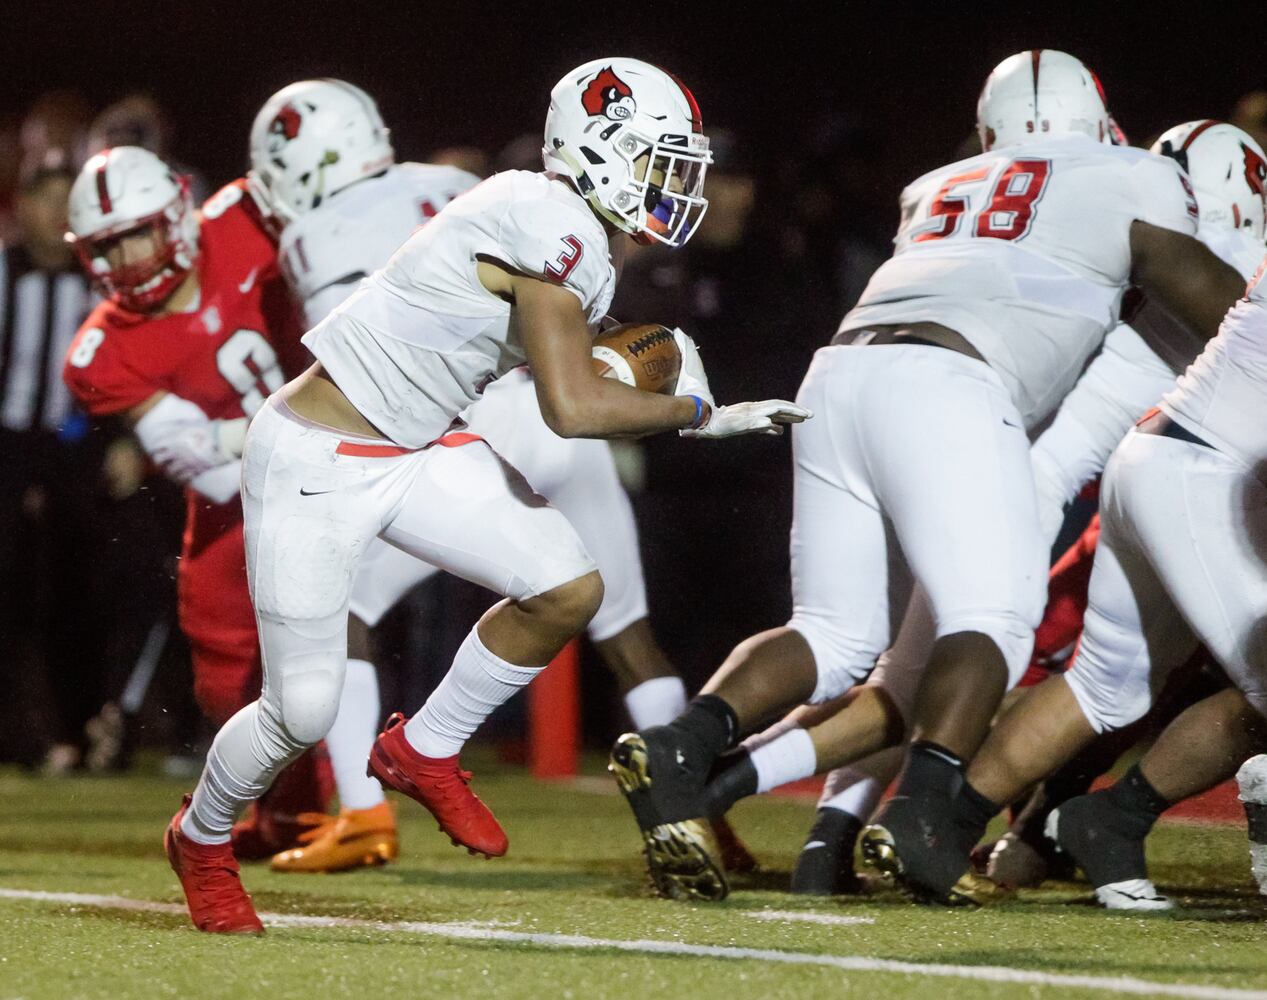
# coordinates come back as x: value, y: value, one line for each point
x: 554, y: 716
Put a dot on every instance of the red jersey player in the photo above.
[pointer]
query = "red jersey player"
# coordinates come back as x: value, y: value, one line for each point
x: 196, y: 330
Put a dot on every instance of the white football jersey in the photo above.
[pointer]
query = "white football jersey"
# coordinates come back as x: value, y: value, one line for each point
x: 1025, y: 251
x: 326, y: 251
x: 418, y: 340
x: 1222, y: 396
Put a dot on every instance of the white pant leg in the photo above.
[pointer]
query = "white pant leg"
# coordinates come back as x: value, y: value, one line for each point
x: 470, y: 513
x: 1133, y: 636
x: 384, y: 576
x: 948, y: 459
x: 1200, y: 517
x: 840, y: 545
x: 578, y: 476
x: 856, y: 788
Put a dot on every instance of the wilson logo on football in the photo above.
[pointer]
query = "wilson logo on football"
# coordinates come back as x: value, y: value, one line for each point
x: 608, y: 95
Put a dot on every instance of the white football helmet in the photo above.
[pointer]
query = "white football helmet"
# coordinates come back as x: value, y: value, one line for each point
x: 311, y: 140
x: 122, y: 190
x: 1040, y: 93
x: 629, y: 138
x: 1227, y: 168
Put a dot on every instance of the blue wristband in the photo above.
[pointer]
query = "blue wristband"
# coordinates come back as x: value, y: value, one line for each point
x: 698, y: 422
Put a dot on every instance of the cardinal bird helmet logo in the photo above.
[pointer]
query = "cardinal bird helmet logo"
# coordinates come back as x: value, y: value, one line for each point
x: 285, y: 126
x: 608, y: 95
x: 1255, y: 170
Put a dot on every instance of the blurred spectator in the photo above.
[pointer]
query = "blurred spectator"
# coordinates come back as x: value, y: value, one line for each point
x: 48, y: 465
x: 139, y: 120
x: 55, y: 130
x: 1250, y: 114
x: 521, y: 153
x: 469, y: 158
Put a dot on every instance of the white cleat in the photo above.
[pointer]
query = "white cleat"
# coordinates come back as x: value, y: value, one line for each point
x: 1133, y: 894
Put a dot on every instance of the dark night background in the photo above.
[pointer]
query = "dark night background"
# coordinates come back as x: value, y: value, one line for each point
x: 479, y: 73
x: 832, y: 107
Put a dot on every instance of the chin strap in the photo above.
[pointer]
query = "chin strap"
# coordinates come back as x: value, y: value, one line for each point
x: 586, y: 190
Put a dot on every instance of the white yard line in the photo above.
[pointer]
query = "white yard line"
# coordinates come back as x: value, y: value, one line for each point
x: 809, y: 917
x: 848, y: 963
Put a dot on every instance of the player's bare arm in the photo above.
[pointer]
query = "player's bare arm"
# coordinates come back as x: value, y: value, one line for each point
x: 575, y: 400
x: 1184, y: 276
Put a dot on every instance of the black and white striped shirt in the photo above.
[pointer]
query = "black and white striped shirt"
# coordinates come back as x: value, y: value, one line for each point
x: 40, y: 311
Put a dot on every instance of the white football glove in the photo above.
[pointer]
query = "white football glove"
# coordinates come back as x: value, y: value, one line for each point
x: 765, y: 417
x: 691, y: 380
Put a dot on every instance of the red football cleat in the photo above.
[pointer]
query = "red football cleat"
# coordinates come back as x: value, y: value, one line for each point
x: 439, y: 785
x: 209, y: 875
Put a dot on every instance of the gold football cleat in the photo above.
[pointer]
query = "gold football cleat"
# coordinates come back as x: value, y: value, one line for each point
x: 356, y: 838
x: 683, y: 858
x: 971, y: 890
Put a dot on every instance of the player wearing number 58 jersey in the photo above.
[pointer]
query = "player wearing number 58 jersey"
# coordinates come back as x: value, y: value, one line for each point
x: 196, y: 330
x: 1007, y: 273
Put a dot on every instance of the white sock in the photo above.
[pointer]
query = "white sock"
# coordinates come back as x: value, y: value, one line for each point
x: 247, y: 754
x: 769, y: 734
x: 475, y: 685
x: 856, y: 788
x: 784, y: 759
x: 656, y: 702
x: 352, y: 735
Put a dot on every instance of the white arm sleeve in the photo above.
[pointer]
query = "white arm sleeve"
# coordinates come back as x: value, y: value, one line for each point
x: 1116, y: 390
x: 221, y: 484
x: 184, y: 441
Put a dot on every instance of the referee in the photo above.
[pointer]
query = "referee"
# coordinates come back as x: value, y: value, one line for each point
x: 49, y: 481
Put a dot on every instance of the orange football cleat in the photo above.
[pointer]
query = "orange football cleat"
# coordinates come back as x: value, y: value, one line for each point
x: 209, y: 875
x: 356, y: 838
x: 439, y: 785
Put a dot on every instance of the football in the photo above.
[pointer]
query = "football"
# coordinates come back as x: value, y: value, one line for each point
x: 643, y: 355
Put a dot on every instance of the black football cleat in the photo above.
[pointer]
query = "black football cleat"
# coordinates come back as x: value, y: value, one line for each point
x: 1107, y: 842
x: 825, y: 865
x: 655, y: 773
x: 918, y: 845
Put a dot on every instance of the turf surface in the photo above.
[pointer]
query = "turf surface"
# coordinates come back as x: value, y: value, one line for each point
x: 572, y: 870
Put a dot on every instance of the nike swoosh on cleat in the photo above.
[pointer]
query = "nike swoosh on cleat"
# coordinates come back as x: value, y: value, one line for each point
x: 313, y: 493
x: 813, y: 844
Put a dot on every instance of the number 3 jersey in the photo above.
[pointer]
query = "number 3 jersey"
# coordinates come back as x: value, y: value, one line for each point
x: 1025, y: 251
x: 418, y: 340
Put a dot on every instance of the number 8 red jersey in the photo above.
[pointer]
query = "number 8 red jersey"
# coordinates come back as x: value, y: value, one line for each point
x: 238, y: 343
x: 1025, y: 251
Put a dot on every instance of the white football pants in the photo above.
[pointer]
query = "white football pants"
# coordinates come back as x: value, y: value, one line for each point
x: 577, y: 475
x: 921, y: 448
x: 1182, y: 558
x: 313, y: 499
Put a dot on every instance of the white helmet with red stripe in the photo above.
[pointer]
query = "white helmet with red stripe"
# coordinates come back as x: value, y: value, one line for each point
x: 1040, y: 93
x: 311, y: 140
x: 1227, y: 168
x: 123, y: 190
x: 628, y: 136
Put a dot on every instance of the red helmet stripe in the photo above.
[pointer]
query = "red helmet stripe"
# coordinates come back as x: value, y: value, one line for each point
x: 103, y: 193
x: 1036, y: 56
x: 697, y: 123
x: 1208, y: 123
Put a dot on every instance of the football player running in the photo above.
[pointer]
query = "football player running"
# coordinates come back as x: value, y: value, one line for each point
x: 196, y: 330
x: 331, y: 241
x: 1008, y: 272
x: 367, y: 443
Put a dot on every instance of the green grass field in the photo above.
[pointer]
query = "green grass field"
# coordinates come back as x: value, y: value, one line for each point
x: 567, y: 914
